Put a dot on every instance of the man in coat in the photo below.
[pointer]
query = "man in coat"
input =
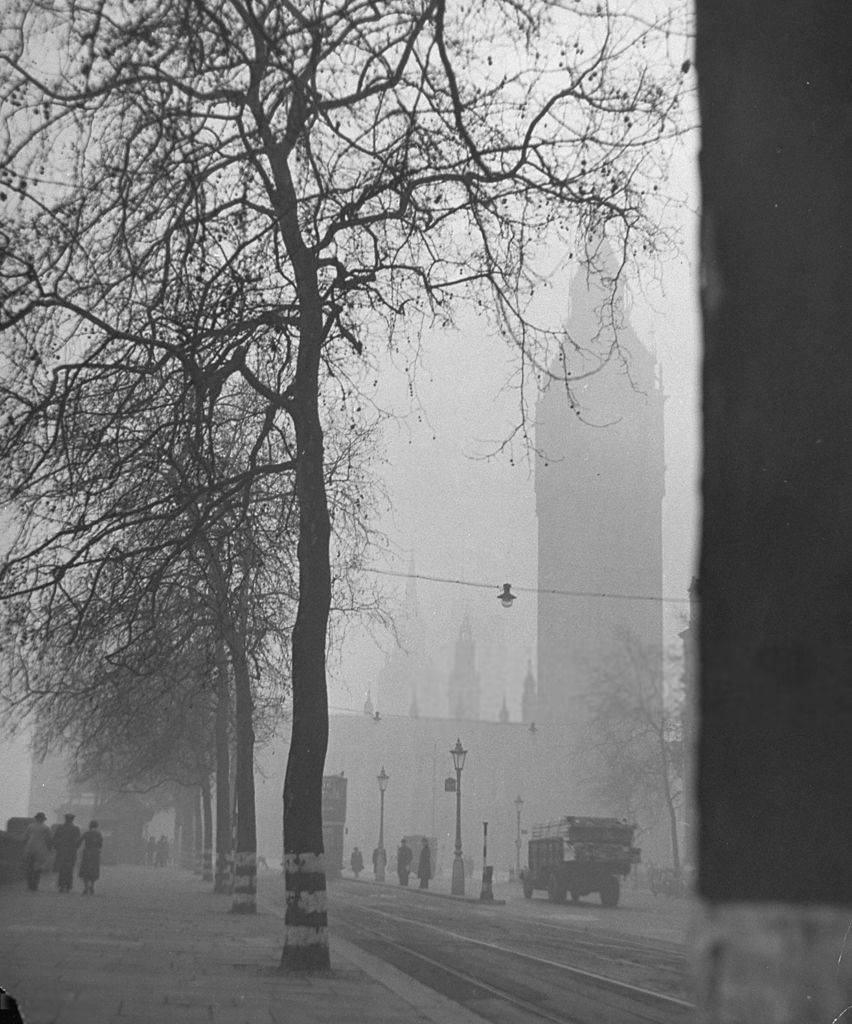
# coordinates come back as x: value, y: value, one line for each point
x: 424, y: 865
x: 37, y: 843
x: 66, y: 839
x: 403, y: 862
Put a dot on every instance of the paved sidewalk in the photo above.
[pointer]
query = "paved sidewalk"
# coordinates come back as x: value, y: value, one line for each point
x: 157, y: 945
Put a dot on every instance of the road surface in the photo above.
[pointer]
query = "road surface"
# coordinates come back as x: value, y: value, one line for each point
x: 528, y: 960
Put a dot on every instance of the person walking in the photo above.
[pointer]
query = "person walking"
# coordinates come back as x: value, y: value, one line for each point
x: 38, y: 841
x: 403, y: 862
x: 424, y: 864
x: 356, y: 862
x: 162, y: 857
x: 151, y: 851
x: 66, y: 839
x: 90, y: 863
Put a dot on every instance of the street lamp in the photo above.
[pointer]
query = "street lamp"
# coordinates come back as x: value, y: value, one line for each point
x: 519, y: 803
x: 457, y: 888
x: 382, y: 778
x: 506, y: 597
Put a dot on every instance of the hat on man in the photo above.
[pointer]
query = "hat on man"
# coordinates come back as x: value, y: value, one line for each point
x: 40, y: 816
x: 69, y: 816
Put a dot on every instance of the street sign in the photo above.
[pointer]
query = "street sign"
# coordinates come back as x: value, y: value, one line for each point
x: 449, y: 785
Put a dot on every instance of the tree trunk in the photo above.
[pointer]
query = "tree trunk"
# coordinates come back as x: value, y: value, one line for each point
x: 306, y: 934
x: 306, y: 919
x: 197, y: 831
x: 207, y: 812
x: 223, y: 882
x: 673, y: 832
x: 184, y: 827
x: 177, y: 832
x: 245, y: 853
x: 671, y: 809
x: 776, y: 554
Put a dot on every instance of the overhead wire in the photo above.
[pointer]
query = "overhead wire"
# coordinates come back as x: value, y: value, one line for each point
x: 528, y: 590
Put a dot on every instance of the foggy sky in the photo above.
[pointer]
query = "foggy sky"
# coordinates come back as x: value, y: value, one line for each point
x: 467, y: 518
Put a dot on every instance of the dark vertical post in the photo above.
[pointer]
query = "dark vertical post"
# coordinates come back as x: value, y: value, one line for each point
x: 486, y: 892
x: 457, y: 886
x: 774, y: 775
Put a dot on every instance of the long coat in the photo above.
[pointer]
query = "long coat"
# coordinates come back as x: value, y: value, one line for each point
x: 90, y: 863
x: 66, y: 839
x: 403, y: 858
x: 424, y: 865
x: 38, y: 840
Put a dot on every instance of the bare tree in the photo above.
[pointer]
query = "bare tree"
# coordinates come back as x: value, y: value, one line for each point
x: 633, y: 743
x: 325, y: 178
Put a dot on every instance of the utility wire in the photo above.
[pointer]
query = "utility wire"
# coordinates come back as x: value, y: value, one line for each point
x: 528, y: 590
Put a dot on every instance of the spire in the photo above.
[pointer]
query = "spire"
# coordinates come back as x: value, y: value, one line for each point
x: 529, y: 699
x: 463, y: 690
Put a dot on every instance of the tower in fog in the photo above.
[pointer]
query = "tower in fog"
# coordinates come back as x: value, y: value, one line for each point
x: 408, y: 682
x: 599, y: 493
x: 463, y: 688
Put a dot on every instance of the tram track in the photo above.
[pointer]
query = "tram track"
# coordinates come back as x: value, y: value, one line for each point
x: 606, y: 954
x: 498, y: 975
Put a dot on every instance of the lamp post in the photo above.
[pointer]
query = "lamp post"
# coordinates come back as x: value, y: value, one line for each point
x: 382, y: 778
x: 519, y: 803
x: 457, y: 889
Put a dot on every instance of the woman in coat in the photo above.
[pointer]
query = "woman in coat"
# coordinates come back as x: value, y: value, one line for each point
x: 424, y: 865
x: 38, y: 841
x: 90, y: 864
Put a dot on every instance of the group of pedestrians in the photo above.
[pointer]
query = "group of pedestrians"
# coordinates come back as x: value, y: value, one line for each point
x: 404, y: 857
x: 64, y: 841
x: 157, y: 852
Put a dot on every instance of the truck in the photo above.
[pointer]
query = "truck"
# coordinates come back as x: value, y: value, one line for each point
x: 580, y: 855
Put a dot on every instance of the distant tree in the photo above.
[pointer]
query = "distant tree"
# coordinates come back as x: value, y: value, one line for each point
x: 633, y: 741
x: 326, y: 177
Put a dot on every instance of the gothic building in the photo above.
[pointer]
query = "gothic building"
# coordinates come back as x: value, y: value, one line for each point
x: 463, y: 688
x: 529, y: 698
x: 413, y: 682
x: 599, y: 493
x: 407, y: 682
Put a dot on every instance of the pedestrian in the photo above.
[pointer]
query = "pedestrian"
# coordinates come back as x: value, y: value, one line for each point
x: 403, y: 862
x: 424, y: 864
x: 151, y: 851
x: 90, y: 863
x: 162, y: 857
x: 356, y: 862
x: 66, y: 839
x: 38, y: 841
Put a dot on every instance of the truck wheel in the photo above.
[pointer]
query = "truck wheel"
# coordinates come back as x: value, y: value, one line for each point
x: 556, y: 890
x: 610, y: 891
x: 528, y: 887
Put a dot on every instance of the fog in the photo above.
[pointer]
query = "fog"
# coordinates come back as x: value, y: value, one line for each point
x: 458, y: 514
